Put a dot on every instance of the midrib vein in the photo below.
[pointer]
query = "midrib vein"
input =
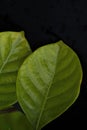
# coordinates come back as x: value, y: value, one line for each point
x: 7, y: 58
x: 11, y: 49
x: 47, y: 93
x: 5, y: 63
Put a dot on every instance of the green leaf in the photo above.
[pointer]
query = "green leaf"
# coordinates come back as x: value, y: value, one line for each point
x: 13, y: 50
x: 14, y: 121
x: 48, y: 83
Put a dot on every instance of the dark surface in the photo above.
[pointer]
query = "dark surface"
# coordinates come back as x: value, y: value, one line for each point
x: 47, y: 21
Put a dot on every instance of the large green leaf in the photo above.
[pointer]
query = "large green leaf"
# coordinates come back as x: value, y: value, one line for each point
x: 13, y: 50
x: 48, y: 83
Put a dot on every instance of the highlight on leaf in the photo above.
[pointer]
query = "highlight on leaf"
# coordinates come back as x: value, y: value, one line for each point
x: 48, y: 83
x: 14, y: 48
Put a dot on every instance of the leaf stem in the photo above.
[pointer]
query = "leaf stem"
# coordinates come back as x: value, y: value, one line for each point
x: 8, y: 110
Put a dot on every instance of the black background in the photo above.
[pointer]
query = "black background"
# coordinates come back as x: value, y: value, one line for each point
x: 48, y: 21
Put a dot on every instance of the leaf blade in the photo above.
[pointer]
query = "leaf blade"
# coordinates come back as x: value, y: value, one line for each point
x: 43, y: 80
x: 13, y: 50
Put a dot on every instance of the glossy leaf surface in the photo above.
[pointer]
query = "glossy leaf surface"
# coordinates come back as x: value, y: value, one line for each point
x: 13, y: 50
x: 48, y: 83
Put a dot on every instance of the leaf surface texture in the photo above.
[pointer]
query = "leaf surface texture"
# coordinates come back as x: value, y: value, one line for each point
x: 48, y: 83
x: 14, y: 49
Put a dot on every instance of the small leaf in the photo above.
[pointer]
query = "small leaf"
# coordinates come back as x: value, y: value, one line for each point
x: 13, y: 50
x: 48, y: 83
x: 14, y: 121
